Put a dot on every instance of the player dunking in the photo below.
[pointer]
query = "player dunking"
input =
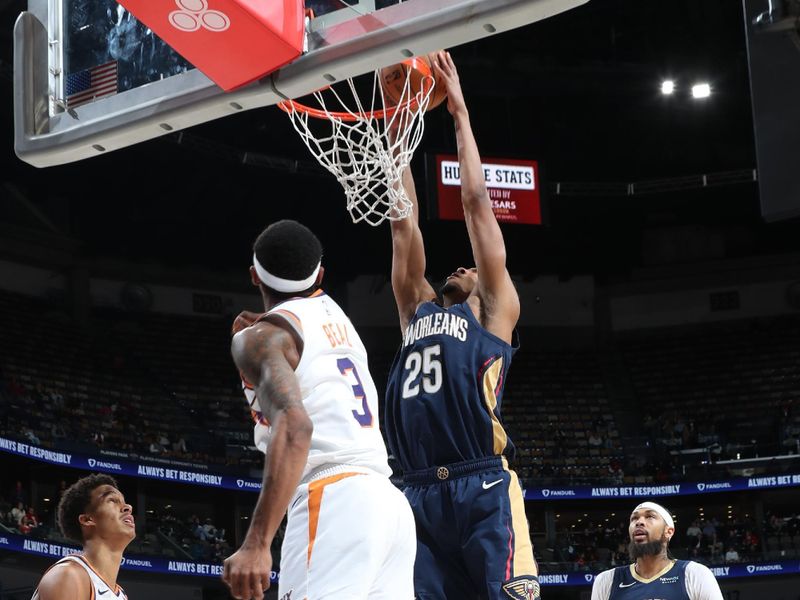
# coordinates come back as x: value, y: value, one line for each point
x: 93, y: 513
x: 350, y: 532
x: 444, y: 395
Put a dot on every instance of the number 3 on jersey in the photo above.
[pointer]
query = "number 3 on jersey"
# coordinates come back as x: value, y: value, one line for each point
x: 346, y: 368
x: 428, y: 363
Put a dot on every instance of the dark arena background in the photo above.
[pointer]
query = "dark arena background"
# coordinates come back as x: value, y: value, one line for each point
x: 660, y: 294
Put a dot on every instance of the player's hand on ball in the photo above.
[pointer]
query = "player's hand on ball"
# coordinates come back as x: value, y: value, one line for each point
x: 445, y: 73
x: 243, y: 320
x: 247, y: 572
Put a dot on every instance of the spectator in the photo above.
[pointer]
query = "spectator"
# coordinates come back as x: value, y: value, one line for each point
x: 16, y: 514
x: 18, y: 494
x: 751, y: 543
x: 731, y: 556
x: 29, y: 435
x: 595, y: 440
x: 155, y: 447
x: 57, y: 431
x: 29, y: 522
x: 180, y: 446
x: 694, y: 530
x: 709, y: 530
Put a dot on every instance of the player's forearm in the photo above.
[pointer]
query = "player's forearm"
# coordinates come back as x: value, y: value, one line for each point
x: 285, y: 460
x: 473, y: 183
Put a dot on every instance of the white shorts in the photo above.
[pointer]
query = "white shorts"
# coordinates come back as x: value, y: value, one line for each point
x: 350, y: 535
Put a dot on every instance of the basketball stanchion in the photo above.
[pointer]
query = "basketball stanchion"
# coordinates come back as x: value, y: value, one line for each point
x: 367, y: 139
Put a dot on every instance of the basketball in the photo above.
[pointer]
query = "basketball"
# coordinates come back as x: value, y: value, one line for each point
x: 393, y: 79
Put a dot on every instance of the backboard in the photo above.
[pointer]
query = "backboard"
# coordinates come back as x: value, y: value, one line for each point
x: 89, y: 78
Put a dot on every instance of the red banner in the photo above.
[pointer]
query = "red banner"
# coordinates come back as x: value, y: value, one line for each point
x: 513, y: 188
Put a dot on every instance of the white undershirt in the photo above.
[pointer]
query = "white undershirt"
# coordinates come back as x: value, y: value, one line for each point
x: 700, y: 583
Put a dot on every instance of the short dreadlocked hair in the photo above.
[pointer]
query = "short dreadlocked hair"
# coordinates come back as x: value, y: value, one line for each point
x: 288, y: 249
x: 76, y: 500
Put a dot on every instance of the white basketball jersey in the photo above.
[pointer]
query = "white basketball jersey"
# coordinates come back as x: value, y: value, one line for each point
x: 336, y: 386
x: 100, y: 589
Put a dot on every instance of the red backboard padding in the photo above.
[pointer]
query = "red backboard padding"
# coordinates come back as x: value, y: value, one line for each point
x: 233, y: 42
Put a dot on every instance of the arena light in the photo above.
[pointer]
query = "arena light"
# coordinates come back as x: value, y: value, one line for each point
x: 667, y: 87
x: 701, y: 90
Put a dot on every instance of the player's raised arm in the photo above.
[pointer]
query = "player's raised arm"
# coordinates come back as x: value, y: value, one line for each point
x: 488, y: 247
x: 408, y: 259
x: 267, y: 355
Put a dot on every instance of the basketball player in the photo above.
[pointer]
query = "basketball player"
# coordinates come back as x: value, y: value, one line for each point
x: 654, y: 574
x: 444, y: 395
x: 93, y: 513
x: 350, y: 532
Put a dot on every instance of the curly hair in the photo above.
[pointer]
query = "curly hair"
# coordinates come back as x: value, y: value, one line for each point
x: 76, y: 500
x: 288, y: 249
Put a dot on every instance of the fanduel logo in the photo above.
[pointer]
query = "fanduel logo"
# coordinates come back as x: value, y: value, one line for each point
x: 547, y: 493
x: 588, y: 577
x: 763, y: 568
x: 132, y: 562
x: 104, y: 465
x: 723, y: 485
x: 248, y: 485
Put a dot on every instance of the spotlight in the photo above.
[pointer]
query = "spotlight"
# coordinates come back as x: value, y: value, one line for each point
x: 701, y: 90
x: 667, y: 87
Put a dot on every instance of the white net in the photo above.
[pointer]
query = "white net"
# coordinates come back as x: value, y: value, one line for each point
x: 366, y: 145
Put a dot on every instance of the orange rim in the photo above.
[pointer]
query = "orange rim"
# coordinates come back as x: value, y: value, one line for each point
x: 415, y: 63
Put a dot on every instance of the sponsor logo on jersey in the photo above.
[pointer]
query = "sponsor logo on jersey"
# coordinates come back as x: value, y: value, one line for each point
x: 669, y: 579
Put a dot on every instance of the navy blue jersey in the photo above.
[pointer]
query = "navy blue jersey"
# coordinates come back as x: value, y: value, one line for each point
x: 445, y: 390
x: 668, y: 586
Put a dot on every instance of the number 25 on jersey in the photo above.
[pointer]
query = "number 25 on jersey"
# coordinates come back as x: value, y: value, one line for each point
x: 423, y: 368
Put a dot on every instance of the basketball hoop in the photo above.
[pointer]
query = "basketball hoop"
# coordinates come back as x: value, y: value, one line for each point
x: 366, y: 145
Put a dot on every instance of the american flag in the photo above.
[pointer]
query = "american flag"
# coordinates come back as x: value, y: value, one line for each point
x: 89, y: 84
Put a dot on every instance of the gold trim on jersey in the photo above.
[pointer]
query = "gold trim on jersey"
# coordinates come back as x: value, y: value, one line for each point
x: 491, y: 379
x: 641, y: 579
x: 524, y: 563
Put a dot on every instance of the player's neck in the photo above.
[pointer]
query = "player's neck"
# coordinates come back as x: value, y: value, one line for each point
x: 104, y: 560
x: 648, y: 567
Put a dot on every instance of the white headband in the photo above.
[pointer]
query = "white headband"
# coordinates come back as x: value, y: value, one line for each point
x: 284, y: 285
x: 660, y: 510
